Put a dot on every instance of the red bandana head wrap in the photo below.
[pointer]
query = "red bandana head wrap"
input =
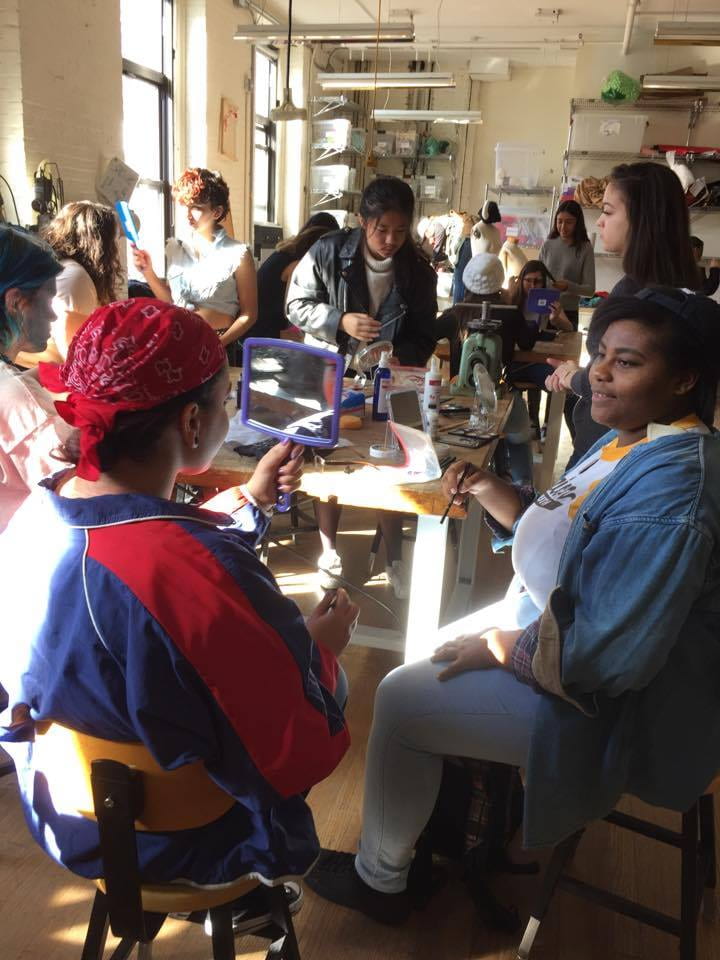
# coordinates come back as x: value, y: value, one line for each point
x: 132, y: 355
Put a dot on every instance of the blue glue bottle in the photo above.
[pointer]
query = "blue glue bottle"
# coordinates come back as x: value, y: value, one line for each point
x: 380, y: 388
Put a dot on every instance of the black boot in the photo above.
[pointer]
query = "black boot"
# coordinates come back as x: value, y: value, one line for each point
x: 335, y: 878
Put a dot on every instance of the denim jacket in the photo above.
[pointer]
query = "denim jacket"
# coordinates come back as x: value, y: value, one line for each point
x: 629, y: 644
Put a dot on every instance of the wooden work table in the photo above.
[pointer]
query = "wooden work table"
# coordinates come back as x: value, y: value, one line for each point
x: 360, y: 485
x: 365, y: 487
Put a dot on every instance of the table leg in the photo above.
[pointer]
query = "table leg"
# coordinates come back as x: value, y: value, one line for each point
x: 426, y: 585
x: 552, y: 439
x: 467, y: 562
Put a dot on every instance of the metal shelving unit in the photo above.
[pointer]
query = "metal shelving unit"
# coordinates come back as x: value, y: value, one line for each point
x: 324, y: 108
x: 499, y: 192
x: 693, y: 108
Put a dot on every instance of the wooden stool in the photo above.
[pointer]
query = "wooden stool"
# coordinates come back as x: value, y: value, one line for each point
x: 696, y: 842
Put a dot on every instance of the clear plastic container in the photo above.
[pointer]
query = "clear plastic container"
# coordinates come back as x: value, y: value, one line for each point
x: 431, y: 188
x: 518, y: 165
x: 406, y: 143
x: 330, y: 178
x: 609, y: 132
x: 384, y: 144
x: 358, y: 138
x: 334, y: 133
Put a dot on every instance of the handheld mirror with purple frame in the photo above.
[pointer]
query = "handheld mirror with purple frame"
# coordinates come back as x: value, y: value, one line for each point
x: 291, y: 391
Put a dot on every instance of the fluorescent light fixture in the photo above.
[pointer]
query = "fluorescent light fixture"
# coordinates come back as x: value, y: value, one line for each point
x: 680, y: 82
x: 688, y: 33
x: 430, y: 116
x: 367, y: 81
x: 326, y: 33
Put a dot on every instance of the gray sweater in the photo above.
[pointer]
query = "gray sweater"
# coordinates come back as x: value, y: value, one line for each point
x: 576, y: 265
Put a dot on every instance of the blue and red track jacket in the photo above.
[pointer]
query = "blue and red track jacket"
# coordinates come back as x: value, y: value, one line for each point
x: 132, y: 618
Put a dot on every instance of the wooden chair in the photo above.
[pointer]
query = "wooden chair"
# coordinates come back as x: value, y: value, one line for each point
x: 126, y: 791
x: 696, y: 842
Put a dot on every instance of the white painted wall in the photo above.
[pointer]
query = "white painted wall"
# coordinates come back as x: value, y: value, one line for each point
x: 532, y: 107
x: 229, y: 73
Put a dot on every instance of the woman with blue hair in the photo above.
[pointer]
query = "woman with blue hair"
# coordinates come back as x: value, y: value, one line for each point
x: 29, y: 427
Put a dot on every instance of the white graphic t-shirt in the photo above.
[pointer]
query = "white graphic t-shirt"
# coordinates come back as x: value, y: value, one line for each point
x: 543, y: 528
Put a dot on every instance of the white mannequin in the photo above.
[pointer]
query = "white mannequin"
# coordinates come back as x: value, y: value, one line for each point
x: 513, y: 259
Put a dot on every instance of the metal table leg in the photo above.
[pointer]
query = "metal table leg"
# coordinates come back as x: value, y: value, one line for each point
x: 470, y: 531
x: 428, y: 568
x: 552, y: 439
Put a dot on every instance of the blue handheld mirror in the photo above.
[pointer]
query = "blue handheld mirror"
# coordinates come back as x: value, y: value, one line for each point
x: 291, y: 391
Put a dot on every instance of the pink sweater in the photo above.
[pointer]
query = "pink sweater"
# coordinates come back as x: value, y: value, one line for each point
x: 30, y: 430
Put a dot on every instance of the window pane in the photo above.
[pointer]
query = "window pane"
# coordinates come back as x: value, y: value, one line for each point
x: 260, y: 186
x: 141, y: 127
x: 147, y: 203
x: 141, y: 31
x: 262, y: 65
x: 272, y: 84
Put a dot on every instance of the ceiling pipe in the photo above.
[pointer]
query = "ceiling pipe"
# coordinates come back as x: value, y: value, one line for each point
x: 629, y: 24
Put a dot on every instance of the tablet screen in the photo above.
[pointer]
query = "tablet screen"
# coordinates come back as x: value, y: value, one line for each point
x: 540, y: 300
x: 404, y: 408
x: 292, y: 390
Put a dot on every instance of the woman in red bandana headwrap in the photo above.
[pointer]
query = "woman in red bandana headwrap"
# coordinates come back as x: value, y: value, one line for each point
x: 148, y: 620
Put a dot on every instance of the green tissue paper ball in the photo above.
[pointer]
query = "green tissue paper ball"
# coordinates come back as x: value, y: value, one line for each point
x: 620, y: 88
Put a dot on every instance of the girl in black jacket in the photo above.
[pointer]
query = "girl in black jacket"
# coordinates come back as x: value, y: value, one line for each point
x: 358, y: 286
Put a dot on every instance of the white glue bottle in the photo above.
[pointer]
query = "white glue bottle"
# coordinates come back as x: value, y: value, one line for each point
x: 380, y: 388
x: 433, y: 382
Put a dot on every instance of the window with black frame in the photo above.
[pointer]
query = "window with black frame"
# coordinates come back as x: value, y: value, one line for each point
x: 147, y: 52
x: 265, y: 155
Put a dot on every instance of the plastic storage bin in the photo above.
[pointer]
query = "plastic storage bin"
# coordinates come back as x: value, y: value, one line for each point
x: 608, y: 132
x: 358, y: 139
x: 334, y: 133
x: 517, y: 165
x: 431, y: 188
x: 331, y: 178
x: 406, y: 143
x: 384, y: 145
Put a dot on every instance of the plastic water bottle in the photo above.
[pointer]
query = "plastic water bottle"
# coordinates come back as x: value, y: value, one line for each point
x: 381, y: 388
x: 485, y: 399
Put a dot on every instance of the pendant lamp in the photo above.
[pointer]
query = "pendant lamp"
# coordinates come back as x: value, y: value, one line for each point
x: 287, y: 110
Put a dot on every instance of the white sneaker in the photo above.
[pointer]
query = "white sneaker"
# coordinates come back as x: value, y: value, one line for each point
x: 251, y: 912
x: 329, y: 569
x: 398, y: 579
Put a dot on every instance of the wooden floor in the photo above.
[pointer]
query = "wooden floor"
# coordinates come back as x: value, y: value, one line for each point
x: 43, y: 910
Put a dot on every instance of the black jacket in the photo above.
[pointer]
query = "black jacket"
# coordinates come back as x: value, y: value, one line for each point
x: 330, y: 281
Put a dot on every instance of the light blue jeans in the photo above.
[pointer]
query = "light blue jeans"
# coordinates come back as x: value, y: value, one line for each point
x: 419, y: 720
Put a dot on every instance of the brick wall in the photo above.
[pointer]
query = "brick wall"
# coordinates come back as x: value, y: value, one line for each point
x: 12, y: 141
x: 61, y: 96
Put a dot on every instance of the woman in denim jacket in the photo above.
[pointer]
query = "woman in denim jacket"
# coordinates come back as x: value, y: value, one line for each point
x: 599, y: 672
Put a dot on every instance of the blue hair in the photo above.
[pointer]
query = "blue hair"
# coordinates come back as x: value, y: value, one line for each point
x: 26, y: 263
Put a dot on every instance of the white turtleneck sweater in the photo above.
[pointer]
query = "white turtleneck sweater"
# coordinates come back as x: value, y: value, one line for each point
x: 380, y: 277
